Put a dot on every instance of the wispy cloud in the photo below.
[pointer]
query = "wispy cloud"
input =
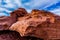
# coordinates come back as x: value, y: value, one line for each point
x: 40, y: 3
x: 56, y: 11
x: 28, y: 5
x: 3, y: 14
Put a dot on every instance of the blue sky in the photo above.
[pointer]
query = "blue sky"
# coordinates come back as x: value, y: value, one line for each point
x: 7, y: 6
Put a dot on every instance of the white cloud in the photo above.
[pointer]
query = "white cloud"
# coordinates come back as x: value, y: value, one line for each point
x: 52, y: 2
x: 9, y: 5
x: 18, y: 2
x: 28, y: 10
x: 7, y: 1
x: 39, y: 3
x: 3, y: 14
x: 12, y: 3
x: 3, y: 9
x: 56, y: 11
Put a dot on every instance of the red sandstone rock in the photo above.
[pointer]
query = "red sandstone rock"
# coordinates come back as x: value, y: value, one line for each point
x: 20, y: 12
x: 7, y: 21
x: 40, y: 24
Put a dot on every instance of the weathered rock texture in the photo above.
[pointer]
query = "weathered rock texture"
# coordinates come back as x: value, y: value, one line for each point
x: 13, y: 35
x: 40, y: 24
x: 10, y: 35
x: 20, y: 12
x: 7, y: 21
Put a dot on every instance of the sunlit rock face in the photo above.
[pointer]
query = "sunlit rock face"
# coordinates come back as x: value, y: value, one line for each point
x: 38, y: 23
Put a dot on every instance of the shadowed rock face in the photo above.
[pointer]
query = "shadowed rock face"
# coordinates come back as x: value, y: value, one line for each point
x: 20, y: 12
x: 13, y: 35
x: 7, y: 21
x: 40, y: 24
x: 10, y: 35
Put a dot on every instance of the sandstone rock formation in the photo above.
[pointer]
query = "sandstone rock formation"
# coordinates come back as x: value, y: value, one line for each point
x: 40, y: 24
x: 20, y: 12
x: 7, y: 21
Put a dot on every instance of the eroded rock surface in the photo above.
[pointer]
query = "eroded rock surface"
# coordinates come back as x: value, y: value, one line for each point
x: 10, y: 35
x: 7, y: 21
x: 40, y: 24
x: 13, y: 35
